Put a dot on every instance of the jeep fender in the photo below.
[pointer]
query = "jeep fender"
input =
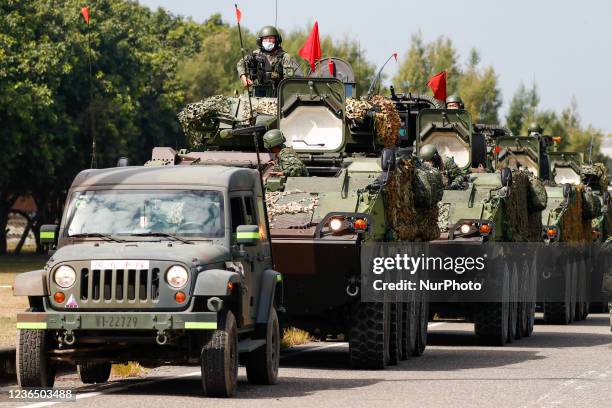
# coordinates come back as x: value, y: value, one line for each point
x: 270, y: 281
x: 214, y: 282
x: 32, y: 283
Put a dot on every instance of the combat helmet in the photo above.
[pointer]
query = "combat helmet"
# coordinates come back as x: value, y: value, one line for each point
x: 454, y: 99
x: 268, y: 31
x: 273, y: 138
x: 428, y: 152
x: 534, y: 128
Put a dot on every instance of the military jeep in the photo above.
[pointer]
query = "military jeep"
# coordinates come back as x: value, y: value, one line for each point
x: 159, y: 265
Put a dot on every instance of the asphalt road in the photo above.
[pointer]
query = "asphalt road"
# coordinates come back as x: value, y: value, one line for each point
x: 560, y: 366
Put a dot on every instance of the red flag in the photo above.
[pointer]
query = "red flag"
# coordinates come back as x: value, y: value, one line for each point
x: 311, y: 51
x: 85, y: 13
x: 437, y: 83
x: 497, y: 149
x: 395, y: 56
x: 238, y: 14
x: 330, y: 66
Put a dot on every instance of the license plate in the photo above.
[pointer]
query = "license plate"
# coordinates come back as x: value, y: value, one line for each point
x: 119, y: 264
x: 116, y: 322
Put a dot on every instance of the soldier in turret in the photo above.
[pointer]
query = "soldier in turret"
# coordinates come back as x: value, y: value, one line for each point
x: 452, y: 176
x: 287, y: 161
x: 268, y: 65
x: 534, y: 129
x: 454, y: 102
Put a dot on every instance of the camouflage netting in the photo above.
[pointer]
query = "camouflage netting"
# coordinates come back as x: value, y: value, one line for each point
x: 574, y: 228
x: 443, y: 214
x: 427, y: 186
x: 595, y: 175
x: 408, y: 222
x: 537, y: 196
x: 386, y: 121
x: 290, y: 208
x: 357, y: 109
x: 200, y: 120
x: 516, y: 208
x: 591, y: 205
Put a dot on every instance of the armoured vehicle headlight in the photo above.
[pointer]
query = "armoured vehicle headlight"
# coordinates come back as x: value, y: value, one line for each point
x: 64, y: 276
x: 465, y: 228
x: 176, y: 276
x: 336, y: 224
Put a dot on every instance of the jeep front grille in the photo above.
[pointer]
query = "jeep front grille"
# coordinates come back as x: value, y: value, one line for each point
x: 120, y: 285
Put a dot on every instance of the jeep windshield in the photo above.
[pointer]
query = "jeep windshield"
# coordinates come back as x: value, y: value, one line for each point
x: 146, y: 213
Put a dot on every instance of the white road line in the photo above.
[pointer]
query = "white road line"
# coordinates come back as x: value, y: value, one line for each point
x: 112, y: 389
x: 6, y: 286
x: 430, y: 325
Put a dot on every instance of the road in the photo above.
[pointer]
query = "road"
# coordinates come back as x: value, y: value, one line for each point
x: 560, y: 366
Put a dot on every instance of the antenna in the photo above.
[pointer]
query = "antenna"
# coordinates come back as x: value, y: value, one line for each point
x: 276, y: 13
x: 377, y: 77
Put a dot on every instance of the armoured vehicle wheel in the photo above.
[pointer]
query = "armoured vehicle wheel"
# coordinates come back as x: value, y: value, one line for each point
x: 396, y: 340
x: 219, y: 359
x: 491, y: 319
x: 262, y: 363
x: 34, y: 369
x: 559, y: 312
x: 369, y: 335
x: 513, y: 305
x: 423, y: 320
x: 91, y: 373
x: 409, y: 329
x: 585, y: 310
x: 533, y: 278
x: 573, y: 294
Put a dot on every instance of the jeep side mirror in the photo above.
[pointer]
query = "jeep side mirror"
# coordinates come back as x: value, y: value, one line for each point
x: 48, y: 234
x: 247, y: 234
x: 387, y: 160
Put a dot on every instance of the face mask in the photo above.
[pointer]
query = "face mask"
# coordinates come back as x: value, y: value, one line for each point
x: 267, y: 45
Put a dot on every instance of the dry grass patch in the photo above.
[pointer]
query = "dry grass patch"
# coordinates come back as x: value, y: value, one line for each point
x: 294, y: 337
x: 129, y: 370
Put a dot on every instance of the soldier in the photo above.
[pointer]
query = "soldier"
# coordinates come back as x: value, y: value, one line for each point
x: 452, y: 176
x: 534, y: 129
x: 268, y: 65
x: 287, y: 161
x: 454, y: 102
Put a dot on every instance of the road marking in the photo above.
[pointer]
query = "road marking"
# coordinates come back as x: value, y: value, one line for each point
x: 6, y: 286
x: 111, y: 388
x: 430, y: 325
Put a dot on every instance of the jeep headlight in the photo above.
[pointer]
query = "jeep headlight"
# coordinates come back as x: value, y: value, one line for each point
x: 176, y: 276
x: 64, y: 276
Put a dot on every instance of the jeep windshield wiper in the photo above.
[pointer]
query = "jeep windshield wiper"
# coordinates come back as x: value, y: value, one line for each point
x: 95, y: 235
x: 162, y: 234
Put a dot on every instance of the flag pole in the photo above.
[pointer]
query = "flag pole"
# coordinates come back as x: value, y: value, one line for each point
x: 238, y: 15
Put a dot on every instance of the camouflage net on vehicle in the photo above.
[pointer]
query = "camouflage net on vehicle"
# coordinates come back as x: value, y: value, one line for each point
x: 290, y: 208
x: 591, y: 204
x: 595, y: 175
x: 574, y: 228
x: 516, y: 207
x: 386, y: 118
x: 537, y: 195
x: 408, y: 222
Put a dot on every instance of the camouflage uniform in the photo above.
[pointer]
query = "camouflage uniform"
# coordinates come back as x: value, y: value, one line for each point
x: 278, y: 62
x: 452, y: 175
x: 290, y: 164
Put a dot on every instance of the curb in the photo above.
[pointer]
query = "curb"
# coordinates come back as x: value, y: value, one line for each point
x: 7, y: 364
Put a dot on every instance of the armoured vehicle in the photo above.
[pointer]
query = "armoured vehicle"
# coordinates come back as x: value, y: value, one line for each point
x: 160, y: 265
x: 356, y: 192
x: 490, y: 205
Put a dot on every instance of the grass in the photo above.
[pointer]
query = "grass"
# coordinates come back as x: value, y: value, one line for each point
x: 294, y: 337
x: 11, y: 266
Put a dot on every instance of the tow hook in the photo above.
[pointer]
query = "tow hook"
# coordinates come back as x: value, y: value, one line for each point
x: 352, y: 289
x: 69, y: 338
x: 161, y: 338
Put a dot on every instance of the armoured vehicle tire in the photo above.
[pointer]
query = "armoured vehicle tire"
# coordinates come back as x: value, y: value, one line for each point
x: 533, y: 278
x: 91, y: 373
x: 491, y: 319
x: 423, y: 320
x: 262, y: 363
x: 409, y: 329
x: 395, y: 341
x: 585, y: 310
x: 522, y: 304
x: 34, y: 369
x: 513, y: 305
x: 369, y: 336
x: 573, y: 295
x: 559, y: 312
x: 219, y: 359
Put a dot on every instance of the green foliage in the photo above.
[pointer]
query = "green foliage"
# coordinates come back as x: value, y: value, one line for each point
x: 478, y: 87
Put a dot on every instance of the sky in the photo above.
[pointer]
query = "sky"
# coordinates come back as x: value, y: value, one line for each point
x: 563, y: 45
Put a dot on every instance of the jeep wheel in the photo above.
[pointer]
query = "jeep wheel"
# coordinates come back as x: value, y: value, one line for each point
x: 262, y: 363
x: 219, y: 359
x: 34, y: 369
x: 91, y: 373
x: 369, y: 335
x: 491, y: 319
